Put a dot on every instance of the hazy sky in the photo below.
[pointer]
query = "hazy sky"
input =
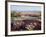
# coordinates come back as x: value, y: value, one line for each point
x: 20, y: 8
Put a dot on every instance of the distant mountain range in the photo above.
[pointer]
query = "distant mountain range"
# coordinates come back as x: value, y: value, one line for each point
x: 28, y: 11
